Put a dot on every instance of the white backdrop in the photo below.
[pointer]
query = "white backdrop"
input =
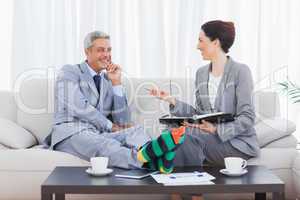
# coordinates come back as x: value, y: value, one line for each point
x: 6, y: 13
x: 154, y: 38
x: 151, y: 38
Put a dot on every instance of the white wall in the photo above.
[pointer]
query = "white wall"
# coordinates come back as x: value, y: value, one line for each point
x: 6, y: 13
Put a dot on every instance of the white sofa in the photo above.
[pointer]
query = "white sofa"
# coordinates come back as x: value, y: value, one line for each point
x: 26, y: 118
x: 296, y: 174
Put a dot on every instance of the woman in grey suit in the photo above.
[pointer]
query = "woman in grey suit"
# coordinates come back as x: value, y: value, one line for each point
x: 223, y: 85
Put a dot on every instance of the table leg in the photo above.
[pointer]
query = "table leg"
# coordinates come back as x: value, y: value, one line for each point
x: 46, y: 196
x: 59, y: 196
x: 278, y: 195
x: 260, y: 196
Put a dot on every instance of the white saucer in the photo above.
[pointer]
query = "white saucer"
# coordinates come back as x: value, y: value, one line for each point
x: 224, y: 171
x: 103, y: 173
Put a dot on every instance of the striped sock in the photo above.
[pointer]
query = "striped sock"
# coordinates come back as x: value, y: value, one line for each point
x: 165, y: 163
x: 167, y: 141
x: 152, y: 165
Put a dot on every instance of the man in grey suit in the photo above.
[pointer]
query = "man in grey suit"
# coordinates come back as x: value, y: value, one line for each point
x: 91, y: 112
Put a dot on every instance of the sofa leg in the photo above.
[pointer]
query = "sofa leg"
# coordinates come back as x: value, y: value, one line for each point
x: 59, y: 196
x: 278, y: 196
x: 47, y: 197
x: 260, y: 196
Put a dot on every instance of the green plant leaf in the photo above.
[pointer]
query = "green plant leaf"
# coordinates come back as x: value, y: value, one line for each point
x: 294, y: 97
x: 297, y: 101
x: 291, y: 90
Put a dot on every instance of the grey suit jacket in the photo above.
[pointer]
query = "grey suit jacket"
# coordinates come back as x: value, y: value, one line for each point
x: 234, y: 96
x: 78, y: 105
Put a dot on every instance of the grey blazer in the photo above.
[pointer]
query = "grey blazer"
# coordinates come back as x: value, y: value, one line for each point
x: 78, y: 105
x: 234, y: 96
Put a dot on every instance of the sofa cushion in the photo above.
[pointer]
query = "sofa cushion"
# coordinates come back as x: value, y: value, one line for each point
x: 146, y: 109
x: 3, y: 147
x: 266, y: 104
x: 269, y: 130
x: 37, y: 160
x: 8, y: 105
x: 39, y: 125
x: 35, y: 106
x: 14, y: 136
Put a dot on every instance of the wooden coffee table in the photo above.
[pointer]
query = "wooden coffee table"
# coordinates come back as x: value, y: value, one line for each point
x: 74, y: 180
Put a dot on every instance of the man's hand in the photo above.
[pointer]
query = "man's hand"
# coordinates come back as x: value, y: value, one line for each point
x: 114, y: 73
x: 204, y: 126
x: 125, y: 126
x: 115, y: 128
x: 163, y: 95
x: 119, y: 127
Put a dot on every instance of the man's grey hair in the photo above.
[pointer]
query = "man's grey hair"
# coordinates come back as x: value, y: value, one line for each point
x: 92, y: 36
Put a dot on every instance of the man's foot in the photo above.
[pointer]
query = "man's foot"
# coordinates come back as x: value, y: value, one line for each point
x: 165, y: 163
x: 152, y: 165
x: 168, y: 141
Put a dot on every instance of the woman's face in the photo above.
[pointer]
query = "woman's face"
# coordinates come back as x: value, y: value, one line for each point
x: 206, y: 46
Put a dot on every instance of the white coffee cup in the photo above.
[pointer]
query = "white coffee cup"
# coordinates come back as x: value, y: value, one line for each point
x: 235, y: 164
x: 99, y: 164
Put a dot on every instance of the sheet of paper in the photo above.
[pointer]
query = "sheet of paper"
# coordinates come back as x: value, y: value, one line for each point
x: 186, y: 178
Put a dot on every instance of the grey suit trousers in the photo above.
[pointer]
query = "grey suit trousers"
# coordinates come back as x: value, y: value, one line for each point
x: 200, y: 146
x: 121, y: 147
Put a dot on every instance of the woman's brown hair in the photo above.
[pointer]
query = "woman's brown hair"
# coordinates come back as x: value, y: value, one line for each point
x: 221, y: 30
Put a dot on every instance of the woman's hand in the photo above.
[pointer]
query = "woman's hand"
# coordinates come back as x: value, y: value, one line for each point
x: 163, y: 95
x: 204, y: 126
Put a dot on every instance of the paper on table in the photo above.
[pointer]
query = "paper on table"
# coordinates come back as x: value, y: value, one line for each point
x: 183, y: 178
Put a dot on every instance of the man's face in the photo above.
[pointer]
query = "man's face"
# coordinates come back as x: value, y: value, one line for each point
x: 99, y: 54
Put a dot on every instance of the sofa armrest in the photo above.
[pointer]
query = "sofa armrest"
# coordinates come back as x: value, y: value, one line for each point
x: 289, y: 141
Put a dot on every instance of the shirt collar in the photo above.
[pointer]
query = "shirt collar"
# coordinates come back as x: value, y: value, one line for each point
x: 92, y: 72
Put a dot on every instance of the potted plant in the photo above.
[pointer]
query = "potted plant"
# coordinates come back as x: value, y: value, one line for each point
x: 291, y: 90
x: 293, y: 93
